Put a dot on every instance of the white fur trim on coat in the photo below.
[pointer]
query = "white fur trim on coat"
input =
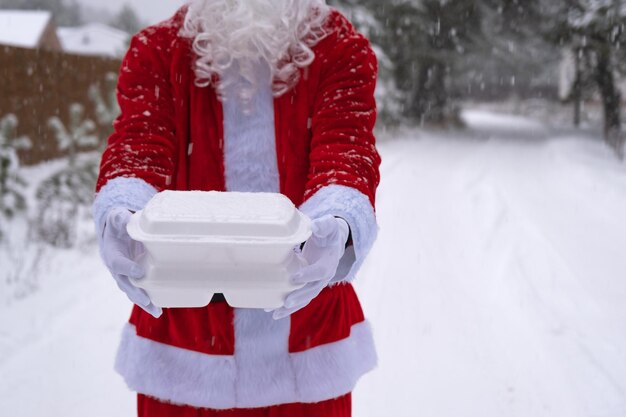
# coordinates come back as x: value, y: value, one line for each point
x: 356, y: 209
x: 182, y: 376
x: 250, y: 160
x: 262, y: 357
x: 128, y: 192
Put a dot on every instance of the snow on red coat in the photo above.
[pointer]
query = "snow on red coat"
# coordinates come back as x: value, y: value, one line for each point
x: 171, y: 135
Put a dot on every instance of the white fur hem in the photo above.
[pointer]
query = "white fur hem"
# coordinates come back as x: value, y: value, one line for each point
x: 355, y: 208
x: 186, y: 377
x: 128, y: 192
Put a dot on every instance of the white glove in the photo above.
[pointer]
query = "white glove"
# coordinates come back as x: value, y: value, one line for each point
x: 321, y: 255
x: 118, y: 250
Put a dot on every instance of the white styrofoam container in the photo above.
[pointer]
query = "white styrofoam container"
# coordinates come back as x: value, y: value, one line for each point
x: 202, y: 243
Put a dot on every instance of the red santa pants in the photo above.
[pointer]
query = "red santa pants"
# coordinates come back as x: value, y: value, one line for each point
x: 338, y: 407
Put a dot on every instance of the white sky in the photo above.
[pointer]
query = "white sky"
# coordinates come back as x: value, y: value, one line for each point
x: 151, y: 11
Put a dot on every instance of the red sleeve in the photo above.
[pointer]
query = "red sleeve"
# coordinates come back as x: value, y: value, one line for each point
x: 343, y: 150
x: 143, y: 144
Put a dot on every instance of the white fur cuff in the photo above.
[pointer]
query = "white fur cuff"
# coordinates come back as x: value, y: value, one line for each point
x: 128, y: 192
x: 355, y: 208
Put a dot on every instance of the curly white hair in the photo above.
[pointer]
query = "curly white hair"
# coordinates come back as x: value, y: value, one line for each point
x: 240, y: 34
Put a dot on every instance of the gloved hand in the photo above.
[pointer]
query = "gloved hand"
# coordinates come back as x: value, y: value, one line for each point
x: 118, y: 251
x: 321, y: 255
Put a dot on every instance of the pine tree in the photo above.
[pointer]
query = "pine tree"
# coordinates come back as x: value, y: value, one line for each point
x: 61, y: 196
x: 12, y: 200
x: 440, y: 34
x: 595, y: 29
x: 513, y: 57
x: 104, y: 99
x: 127, y: 20
x: 80, y: 132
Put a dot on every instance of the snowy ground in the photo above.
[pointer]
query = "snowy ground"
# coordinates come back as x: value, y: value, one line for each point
x: 496, y: 288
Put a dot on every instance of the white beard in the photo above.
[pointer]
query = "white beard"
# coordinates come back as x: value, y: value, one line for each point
x: 239, y: 35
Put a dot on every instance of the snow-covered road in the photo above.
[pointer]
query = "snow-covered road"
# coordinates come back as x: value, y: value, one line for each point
x: 497, y: 287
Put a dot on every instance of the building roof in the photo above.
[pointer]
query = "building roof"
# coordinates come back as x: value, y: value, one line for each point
x: 94, y: 39
x: 23, y: 28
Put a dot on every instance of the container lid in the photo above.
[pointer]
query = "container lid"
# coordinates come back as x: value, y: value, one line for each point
x: 220, y: 215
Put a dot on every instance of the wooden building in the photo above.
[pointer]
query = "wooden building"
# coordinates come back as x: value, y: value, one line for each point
x: 32, y: 29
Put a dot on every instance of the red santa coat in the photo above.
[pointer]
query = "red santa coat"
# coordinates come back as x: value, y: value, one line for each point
x: 170, y: 135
